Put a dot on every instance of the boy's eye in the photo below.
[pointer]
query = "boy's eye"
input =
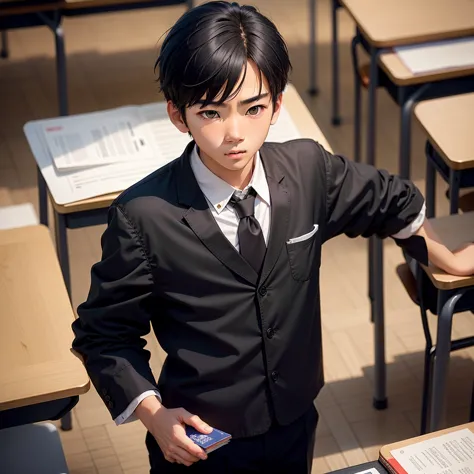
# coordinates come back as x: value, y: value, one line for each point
x: 255, y: 110
x: 209, y: 114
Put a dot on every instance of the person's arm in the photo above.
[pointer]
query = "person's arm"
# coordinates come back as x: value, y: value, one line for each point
x: 460, y: 262
x: 365, y: 201
x: 110, y: 334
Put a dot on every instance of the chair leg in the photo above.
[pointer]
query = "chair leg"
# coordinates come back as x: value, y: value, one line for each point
x: 426, y: 394
x: 441, y: 365
x: 4, y: 50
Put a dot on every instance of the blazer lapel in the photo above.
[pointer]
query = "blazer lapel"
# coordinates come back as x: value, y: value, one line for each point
x: 280, y: 212
x: 201, y: 221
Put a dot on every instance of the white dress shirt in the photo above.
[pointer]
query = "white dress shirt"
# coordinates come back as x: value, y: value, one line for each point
x: 218, y: 193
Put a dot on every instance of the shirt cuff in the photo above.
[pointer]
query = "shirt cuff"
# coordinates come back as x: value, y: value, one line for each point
x: 128, y: 414
x: 412, y: 228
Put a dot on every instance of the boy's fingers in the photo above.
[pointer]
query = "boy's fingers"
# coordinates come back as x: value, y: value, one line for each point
x: 192, y: 448
x: 196, y: 422
x: 184, y: 457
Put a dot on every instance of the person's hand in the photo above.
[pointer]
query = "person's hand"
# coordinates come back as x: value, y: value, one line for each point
x: 464, y: 256
x: 168, y: 428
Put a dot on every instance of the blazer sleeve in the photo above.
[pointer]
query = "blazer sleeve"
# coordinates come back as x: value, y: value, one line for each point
x: 112, y: 322
x: 364, y: 201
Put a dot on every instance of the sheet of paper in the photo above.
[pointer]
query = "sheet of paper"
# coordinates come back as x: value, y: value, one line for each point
x: 78, y: 185
x: 427, y: 57
x: 452, y: 453
x: 97, y: 139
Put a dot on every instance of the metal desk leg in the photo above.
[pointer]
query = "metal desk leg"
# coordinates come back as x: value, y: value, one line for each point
x: 430, y: 187
x: 313, y: 88
x: 4, y: 52
x: 357, y: 99
x: 380, y: 398
x: 61, y: 70
x: 405, y: 129
x: 371, y: 121
x: 56, y: 27
x: 376, y: 251
x: 62, y: 249
x: 441, y: 363
x: 372, y: 93
x: 471, y: 416
x: 336, y: 117
x: 454, y: 185
x: 63, y: 256
x: 42, y: 198
x: 66, y: 422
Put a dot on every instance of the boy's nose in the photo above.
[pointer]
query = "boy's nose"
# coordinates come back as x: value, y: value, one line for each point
x: 234, y: 132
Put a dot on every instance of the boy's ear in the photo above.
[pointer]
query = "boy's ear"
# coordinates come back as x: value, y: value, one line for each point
x: 276, y: 109
x: 175, y: 116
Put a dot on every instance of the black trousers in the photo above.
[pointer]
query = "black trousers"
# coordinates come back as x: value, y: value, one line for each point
x: 281, y: 450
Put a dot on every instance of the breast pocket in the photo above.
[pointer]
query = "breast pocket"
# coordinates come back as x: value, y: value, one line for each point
x: 303, y: 250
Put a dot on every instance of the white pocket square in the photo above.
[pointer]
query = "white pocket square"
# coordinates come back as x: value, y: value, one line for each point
x: 304, y: 237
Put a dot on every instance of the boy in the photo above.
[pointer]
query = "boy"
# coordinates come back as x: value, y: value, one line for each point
x: 220, y: 252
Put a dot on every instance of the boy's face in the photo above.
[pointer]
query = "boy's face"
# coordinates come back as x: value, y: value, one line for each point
x: 229, y: 135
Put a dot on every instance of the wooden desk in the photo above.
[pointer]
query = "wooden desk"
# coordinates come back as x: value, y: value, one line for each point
x: 390, y: 23
x: 400, y: 75
x: 449, y: 124
x: 454, y: 230
x: 293, y: 103
x: 36, y: 364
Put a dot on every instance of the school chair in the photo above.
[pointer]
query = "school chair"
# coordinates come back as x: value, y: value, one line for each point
x: 32, y: 449
x: 443, y: 295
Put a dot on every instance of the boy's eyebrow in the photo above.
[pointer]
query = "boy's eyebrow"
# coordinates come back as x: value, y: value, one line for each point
x: 242, y: 102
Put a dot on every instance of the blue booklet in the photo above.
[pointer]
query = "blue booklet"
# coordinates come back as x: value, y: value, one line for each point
x: 209, y: 442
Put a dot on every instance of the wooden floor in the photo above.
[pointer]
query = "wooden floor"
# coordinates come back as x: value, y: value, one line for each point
x: 110, y: 63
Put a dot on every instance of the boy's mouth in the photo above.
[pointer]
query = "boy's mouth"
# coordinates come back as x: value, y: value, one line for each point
x: 236, y: 153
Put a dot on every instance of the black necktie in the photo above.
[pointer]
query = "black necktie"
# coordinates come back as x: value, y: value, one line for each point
x: 251, y: 241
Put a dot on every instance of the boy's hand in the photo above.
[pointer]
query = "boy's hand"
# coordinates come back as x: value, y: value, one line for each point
x: 168, y: 428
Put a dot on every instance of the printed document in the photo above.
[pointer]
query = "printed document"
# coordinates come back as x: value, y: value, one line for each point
x: 452, y: 453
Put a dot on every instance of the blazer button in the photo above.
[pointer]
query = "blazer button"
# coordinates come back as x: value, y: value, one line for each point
x: 110, y: 405
x: 270, y: 333
x: 107, y: 398
x: 263, y: 290
x: 275, y: 375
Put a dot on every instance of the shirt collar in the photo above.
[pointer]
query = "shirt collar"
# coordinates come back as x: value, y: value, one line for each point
x: 217, y: 191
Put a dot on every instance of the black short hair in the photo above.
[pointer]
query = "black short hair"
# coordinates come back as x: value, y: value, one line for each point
x: 205, y: 51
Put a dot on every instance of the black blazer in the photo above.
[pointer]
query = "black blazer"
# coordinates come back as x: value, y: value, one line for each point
x: 243, y: 349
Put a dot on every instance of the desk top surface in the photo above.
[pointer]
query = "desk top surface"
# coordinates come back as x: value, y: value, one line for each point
x: 400, y: 75
x: 449, y: 123
x: 36, y: 364
x: 454, y: 231
x: 293, y: 103
x: 387, y: 23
